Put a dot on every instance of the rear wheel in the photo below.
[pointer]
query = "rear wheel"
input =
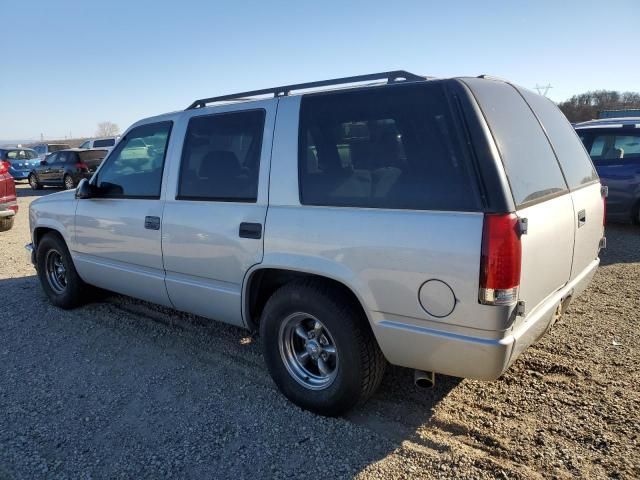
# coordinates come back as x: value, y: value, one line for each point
x: 6, y: 223
x: 58, y: 276
x: 319, y: 348
x: 68, y: 182
x: 34, y: 183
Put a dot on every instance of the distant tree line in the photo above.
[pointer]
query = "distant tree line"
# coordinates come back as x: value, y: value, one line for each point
x: 587, y: 105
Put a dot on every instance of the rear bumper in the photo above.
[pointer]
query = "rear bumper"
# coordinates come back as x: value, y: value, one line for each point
x: 471, y: 356
x: 20, y: 174
x: 8, y: 209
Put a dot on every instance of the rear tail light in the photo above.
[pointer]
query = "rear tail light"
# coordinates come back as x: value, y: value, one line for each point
x: 14, y: 208
x: 4, y: 167
x: 501, y: 259
x: 82, y: 166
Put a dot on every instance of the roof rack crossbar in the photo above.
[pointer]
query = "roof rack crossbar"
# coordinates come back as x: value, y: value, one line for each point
x: 391, y: 77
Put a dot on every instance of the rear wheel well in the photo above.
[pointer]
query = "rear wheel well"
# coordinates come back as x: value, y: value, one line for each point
x: 263, y: 284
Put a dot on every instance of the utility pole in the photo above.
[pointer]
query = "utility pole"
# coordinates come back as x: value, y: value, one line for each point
x: 543, y: 89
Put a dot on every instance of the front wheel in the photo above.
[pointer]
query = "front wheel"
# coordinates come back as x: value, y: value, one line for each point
x: 34, y: 183
x: 319, y: 348
x: 58, y: 276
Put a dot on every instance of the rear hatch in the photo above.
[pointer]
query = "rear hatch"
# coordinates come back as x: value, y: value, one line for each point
x: 553, y: 184
x: 92, y: 158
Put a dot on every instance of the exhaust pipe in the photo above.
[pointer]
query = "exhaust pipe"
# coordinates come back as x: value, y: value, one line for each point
x: 424, y: 379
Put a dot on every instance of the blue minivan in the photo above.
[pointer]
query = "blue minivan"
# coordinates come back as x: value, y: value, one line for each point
x: 614, y: 147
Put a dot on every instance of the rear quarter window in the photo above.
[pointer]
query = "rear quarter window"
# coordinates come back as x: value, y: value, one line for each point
x: 574, y: 160
x: 396, y: 147
x: 529, y: 162
x: 108, y: 142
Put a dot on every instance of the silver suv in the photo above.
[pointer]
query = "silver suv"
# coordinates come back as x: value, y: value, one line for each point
x: 436, y: 224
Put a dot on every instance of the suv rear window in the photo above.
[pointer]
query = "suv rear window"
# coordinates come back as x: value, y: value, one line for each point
x: 576, y: 165
x: 612, y: 145
x: 529, y: 161
x: 385, y: 147
x: 107, y: 142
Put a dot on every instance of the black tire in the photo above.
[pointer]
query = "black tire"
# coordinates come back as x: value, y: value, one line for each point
x: 68, y: 183
x: 361, y: 362
x: 75, y: 290
x: 34, y: 183
x: 6, y: 223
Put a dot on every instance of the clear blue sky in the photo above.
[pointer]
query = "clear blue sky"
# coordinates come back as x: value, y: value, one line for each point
x: 66, y: 65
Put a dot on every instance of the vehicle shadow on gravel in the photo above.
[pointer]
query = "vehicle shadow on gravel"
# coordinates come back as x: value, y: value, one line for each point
x: 23, y: 190
x: 622, y: 244
x: 399, y: 409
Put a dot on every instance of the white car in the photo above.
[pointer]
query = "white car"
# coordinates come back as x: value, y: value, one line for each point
x: 104, y: 142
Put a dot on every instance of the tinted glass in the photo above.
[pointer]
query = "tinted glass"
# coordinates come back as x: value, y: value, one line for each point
x: 391, y: 147
x: 529, y: 161
x: 135, y: 167
x: 55, y: 148
x: 86, y: 144
x: 576, y: 165
x: 107, y: 142
x: 221, y: 157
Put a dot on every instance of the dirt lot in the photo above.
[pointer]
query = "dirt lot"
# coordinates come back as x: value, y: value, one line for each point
x: 124, y: 389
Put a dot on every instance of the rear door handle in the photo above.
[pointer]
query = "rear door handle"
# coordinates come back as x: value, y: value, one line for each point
x: 250, y: 230
x: 582, y: 218
x: 152, y: 223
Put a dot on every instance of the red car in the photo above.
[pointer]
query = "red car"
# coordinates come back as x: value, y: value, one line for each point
x: 8, y: 202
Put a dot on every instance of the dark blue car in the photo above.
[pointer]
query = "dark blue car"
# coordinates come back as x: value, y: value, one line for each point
x: 614, y: 146
x: 21, y: 161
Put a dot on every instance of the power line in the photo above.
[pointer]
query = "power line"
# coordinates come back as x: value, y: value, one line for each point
x: 543, y: 89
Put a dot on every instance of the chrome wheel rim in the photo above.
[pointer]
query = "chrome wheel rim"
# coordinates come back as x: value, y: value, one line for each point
x: 56, y: 271
x: 32, y: 181
x: 308, y: 351
x: 68, y: 182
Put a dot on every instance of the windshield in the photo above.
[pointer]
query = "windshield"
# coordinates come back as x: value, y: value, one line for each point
x: 23, y: 154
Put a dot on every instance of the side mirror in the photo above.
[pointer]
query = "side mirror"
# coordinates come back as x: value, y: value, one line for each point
x: 84, y: 189
x: 44, y: 162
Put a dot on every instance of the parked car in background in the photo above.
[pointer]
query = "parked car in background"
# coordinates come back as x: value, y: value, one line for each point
x: 45, y: 149
x: 66, y: 168
x: 437, y: 224
x: 21, y: 161
x: 614, y: 147
x: 8, y: 201
x: 104, y: 142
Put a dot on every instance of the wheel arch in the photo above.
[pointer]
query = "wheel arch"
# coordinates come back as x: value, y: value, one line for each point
x: 261, y: 282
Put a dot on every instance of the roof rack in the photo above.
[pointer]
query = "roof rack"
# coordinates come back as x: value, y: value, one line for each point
x: 391, y: 77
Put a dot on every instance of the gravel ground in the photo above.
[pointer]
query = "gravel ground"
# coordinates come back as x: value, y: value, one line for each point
x: 125, y: 389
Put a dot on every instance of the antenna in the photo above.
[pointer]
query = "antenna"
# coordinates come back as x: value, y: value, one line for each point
x: 543, y: 89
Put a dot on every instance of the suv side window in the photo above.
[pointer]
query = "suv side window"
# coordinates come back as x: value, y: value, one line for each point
x: 135, y: 168
x: 395, y: 147
x: 576, y: 165
x: 529, y: 162
x: 221, y: 157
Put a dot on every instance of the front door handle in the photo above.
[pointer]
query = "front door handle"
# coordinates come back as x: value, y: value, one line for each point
x: 582, y: 218
x: 152, y: 223
x: 250, y: 230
